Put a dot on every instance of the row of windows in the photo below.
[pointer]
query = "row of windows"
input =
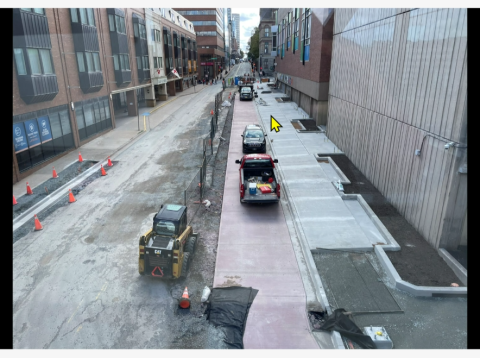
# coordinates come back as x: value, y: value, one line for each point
x: 90, y: 59
x: 197, y: 12
x: 86, y: 16
x: 40, y: 61
x: 92, y: 118
x: 289, y: 28
x: 36, y: 11
x: 116, y: 23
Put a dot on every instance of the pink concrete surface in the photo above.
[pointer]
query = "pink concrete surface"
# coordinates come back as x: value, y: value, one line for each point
x: 255, y: 250
x: 278, y: 323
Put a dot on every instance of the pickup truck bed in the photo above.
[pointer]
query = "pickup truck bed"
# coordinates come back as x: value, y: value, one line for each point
x: 259, y: 176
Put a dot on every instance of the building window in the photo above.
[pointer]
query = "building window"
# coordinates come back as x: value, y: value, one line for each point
x: 266, y: 47
x: 274, y: 41
x: 92, y: 59
x: 158, y: 36
x: 145, y: 63
x: 289, y: 28
x: 139, y: 63
x: 155, y: 62
x: 46, y: 62
x: 20, y: 61
x: 120, y: 24
x: 295, y: 30
x: 40, y: 61
x: 111, y: 22
x: 115, y: 63
x: 91, y: 17
x: 306, y: 29
x: 73, y: 14
x: 267, y: 31
x: 80, y: 62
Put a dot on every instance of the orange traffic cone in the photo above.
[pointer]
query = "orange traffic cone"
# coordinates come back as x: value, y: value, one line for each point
x: 184, y: 301
x: 103, y: 171
x: 38, y: 226
x: 29, y: 190
x: 211, y: 112
x: 54, y: 175
x: 14, y: 201
x: 80, y: 159
x: 109, y: 162
x: 71, y: 198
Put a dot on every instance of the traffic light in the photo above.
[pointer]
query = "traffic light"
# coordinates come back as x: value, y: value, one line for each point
x: 260, y: 68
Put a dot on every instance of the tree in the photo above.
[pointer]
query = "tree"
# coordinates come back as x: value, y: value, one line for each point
x: 254, y: 50
x: 242, y: 54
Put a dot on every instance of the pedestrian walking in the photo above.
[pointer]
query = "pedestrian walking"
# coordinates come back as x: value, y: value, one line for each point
x: 223, y: 84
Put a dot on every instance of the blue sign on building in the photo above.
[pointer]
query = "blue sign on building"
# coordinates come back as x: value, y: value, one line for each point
x: 19, y: 138
x: 31, y: 129
x: 44, y: 126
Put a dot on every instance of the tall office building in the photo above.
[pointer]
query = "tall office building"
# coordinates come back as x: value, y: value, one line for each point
x: 209, y: 28
x: 236, y: 20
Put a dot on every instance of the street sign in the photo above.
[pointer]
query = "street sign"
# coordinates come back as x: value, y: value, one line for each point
x: 213, y: 58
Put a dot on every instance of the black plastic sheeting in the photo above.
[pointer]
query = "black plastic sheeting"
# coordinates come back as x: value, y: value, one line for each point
x: 347, y: 328
x: 228, y: 308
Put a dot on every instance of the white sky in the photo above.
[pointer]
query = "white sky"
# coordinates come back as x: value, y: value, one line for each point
x: 249, y: 19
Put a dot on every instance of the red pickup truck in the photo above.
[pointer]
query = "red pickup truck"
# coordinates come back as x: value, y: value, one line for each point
x: 258, y: 182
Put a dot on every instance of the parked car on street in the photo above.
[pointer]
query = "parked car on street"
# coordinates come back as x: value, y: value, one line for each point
x: 254, y: 140
x: 246, y: 93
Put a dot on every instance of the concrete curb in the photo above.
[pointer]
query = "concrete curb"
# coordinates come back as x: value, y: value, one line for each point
x: 423, y: 291
x: 456, y: 267
x: 343, y: 179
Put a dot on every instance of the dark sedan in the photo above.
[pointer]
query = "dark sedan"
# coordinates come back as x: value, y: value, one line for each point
x: 246, y: 93
x: 254, y: 140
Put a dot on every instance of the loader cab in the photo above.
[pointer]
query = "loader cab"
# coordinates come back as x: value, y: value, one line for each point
x: 170, y: 221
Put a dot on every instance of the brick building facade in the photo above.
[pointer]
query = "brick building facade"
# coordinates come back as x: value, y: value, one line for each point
x: 304, y: 52
x: 75, y: 70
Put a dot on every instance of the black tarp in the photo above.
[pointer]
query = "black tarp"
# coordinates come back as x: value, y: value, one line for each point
x: 228, y: 308
x: 347, y: 328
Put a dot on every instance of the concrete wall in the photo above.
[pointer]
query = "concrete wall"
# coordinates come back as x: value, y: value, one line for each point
x: 398, y: 83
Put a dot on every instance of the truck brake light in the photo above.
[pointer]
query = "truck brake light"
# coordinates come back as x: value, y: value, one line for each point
x: 242, y: 191
x: 278, y: 189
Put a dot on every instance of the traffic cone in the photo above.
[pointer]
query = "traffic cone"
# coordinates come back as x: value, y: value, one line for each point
x: 38, y: 226
x: 71, y: 198
x: 103, y: 171
x: 184, y: 301
x: 80, y: 159
x: 54, y: 175
x: 211, y: 112
x: 109, y: 162
x: 29, y: 190
x: 14, y: 201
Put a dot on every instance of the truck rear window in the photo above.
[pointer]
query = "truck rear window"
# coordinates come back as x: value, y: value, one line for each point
x: 258, y: 163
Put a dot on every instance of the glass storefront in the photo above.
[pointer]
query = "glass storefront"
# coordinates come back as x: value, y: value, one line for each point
x: 41, y: 135
x: 93, y: 116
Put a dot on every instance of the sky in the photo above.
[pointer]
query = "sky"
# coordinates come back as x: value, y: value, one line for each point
x: 249, y: 19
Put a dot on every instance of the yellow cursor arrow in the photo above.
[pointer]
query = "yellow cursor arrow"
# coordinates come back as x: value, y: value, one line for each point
x: 274, y: 124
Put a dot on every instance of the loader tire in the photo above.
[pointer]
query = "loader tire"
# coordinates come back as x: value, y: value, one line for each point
x: 190, y: 245
x: 186, y: 263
